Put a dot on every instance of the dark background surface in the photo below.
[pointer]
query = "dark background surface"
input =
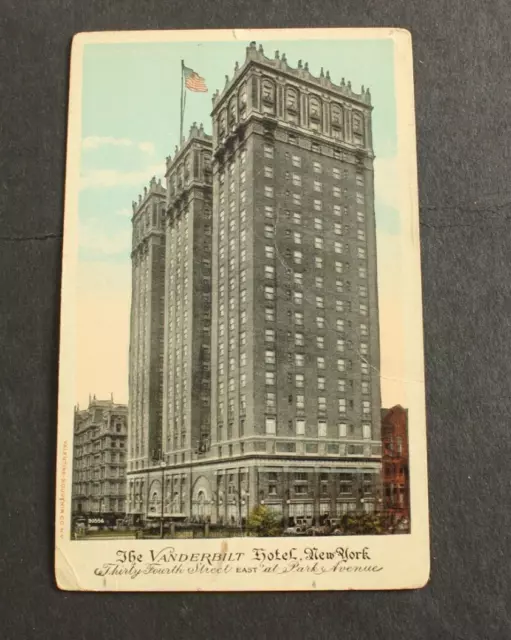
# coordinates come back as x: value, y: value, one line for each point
x: 463, y: 88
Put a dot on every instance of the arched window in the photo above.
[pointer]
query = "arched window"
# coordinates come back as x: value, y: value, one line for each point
x: 358, y: 127
x: 233, y: 116
x: 242, y: 101
x: 314, y: 113
x: 268, y: 96
x: 337, y: 121
x: 292, y: 104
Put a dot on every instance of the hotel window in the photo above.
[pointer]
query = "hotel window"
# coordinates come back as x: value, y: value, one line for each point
x: 322, y: 428
x: 232, y: 225
x: 243, y: 379
x: 363, y: 330
x: 297, y: 257
x: 298, y: 318
x: 321, y: 383
x: 222, y: 197
x: 222, y: 235
x: 297, y: 237
x: 231, y: 384
x: 243, y: 317
x: 361, y: 235
x: 299, y: 359
x: 268, y: 191
x: 341, y: 386
x: 338, y: 267
x: 269, y: 314
x: 340, y: 344
x: 338, y: 228
x: 320, y: 362
x: 317, y: 167
x: 336, y: 192
x: 297, y: 199
x: 317, y: 205
x: 269, y: 377
x: 318, y: 261
x: 365, y: 387
x: 363, y: 348
x: 221, y: 177
x: 336, y: 172
x: 360, y: 216
x: 320, y: 303
x: 297, y: 297
x: 320, y: 322
x: 242, y: 176
x: 243, y: 359
x: 319, y: 282
x: 269, y: 271
x: 341, y: 364
x: 243, y: 255
x: 366, y: 407
x: 318, y: 224
x: 268, y: 211
x: 339, y: 286
x: 340, y: 324
x: 297, y: 218
x: 243, y: 196
x: 268, y: 172
x: 342, y: 429
x: 298, y: 278
x: 297, y: 180
x: 268, y: 151
x: 271, y: 426
x: 300, y: 427
x: 297, y: 161
x: 243, y: 276
x: 318, y: 243
x: 299, y: 380
x: 317, y: 185
x: 360, y: 198
x: 320, y: 342
x: 362, y: 272
x: 243, y: 338
x: 322, y: 404
x: 269, y: 251
x: 364, y: 368
x: 292, y: 139
x: 232, y: 186
x: 360, y: 180
x: 269, y: 231
x: 363, y: 309
x: 300, y: 402
x: 337, y: 209
x: 338, y: 247
x: 362, y: 291
x: 269, y: 356
x: 342, y: 405
x: 269, y: 335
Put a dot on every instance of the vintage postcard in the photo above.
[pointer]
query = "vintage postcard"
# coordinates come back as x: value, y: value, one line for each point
x: 241, y: 402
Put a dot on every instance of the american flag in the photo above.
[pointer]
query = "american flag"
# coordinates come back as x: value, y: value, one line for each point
x: 194, y: 81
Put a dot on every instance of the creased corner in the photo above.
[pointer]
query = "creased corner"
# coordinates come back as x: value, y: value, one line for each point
x: 65, y: 575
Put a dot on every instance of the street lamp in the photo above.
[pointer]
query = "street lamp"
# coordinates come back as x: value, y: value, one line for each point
x: 162, y: 466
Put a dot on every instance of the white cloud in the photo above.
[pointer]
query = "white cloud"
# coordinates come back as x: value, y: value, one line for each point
x: 93, y: 237
x: 101, y: 178
x: 95, y: 142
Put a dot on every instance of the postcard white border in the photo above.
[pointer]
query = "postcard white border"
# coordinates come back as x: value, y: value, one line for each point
x: 405, y: 558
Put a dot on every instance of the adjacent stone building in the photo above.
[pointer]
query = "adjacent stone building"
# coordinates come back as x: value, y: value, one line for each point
x: 99, y: 460
x: 293, y: 416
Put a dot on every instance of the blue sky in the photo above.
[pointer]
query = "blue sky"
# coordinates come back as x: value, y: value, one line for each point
x: 130, y: 123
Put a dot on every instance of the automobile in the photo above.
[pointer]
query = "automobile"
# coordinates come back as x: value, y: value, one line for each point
x: 294, y: 531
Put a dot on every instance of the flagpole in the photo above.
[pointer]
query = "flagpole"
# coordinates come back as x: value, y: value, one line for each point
x: 182, y: 103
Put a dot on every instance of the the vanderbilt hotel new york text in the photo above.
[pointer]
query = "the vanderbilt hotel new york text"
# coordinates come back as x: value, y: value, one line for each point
x: 254, y: 354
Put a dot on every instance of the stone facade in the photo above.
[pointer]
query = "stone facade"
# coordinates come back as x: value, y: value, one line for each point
x: 99, y: 459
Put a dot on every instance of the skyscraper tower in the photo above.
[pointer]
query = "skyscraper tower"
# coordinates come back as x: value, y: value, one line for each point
x: 295, y: 345
x: 146, y: 330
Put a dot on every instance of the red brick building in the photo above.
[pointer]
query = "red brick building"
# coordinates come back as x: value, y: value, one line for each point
x: 395, y: 464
